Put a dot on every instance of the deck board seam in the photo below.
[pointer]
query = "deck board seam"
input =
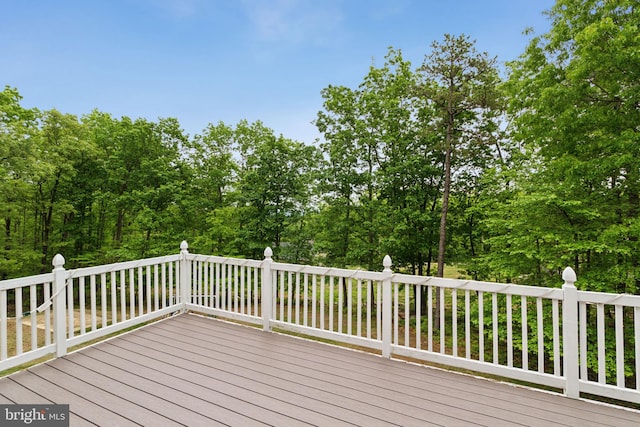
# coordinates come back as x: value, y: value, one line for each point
x: 176, y: 377
x: 397, y: 401
x: 415, y: 396
x: 543, y: 397
x: 231, y: 373
x: 110, y: 410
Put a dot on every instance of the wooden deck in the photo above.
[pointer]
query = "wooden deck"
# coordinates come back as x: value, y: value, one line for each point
x: 191, y: 370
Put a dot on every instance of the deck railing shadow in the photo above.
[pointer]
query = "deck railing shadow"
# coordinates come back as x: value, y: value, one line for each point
x: 575, y: 341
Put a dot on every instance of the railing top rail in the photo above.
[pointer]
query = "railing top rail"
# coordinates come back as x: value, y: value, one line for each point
x: 626, y: 300
x: 328, y: 271
x: 475, y: 285
x: 89, y: 271
x: 25, y: 281
x: 225, y: 260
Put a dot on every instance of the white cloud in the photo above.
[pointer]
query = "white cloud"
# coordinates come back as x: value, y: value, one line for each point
x: 294, y: 21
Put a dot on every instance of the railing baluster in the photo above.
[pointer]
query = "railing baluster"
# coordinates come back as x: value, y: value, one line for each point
x: 244, y: 289
x: 140, y: 292
x: 369, y: 307
x: 556, y: 338
x: 47, y: 315
x: 256, y: 304
x: 525, y: 333
x: 70, y: 316
x: 379, y: 311
x: 233, y: 288
x: 359, y: 308
x: 147, y: 289
x: 248, y: 286
x: 429, y: 318
x: 509, y: 330
x: 340, y: 283
x: 540, y: 325
x: 281, y: 288
x: 123, y: 296
x: 202, y: 284
x: 132, y: 295
x: 494, y: 319
x: 229, y: 287
x: 18, y: 324
x: 481, y: 325
x: 114, y: 298
x: 305, y: 314
x: 396, y: 316
x: 467, y: 324
x: 171, y: 301
x: 349, y: 297
x: 331, y: 303
x: 322, y: 282
x: 103, y: 298
x: 442, y: 321
x: 33, y: 305
x: 314, y: 300
x: 223, y: 287
x: 454, y: 322
x: 92, y: 295
x: 418, y: 292
x: 582, y: 307
x: 82, y: 305
x: 407, y: 315
x: 156, y: 285
x: 217, y: 287
x: 297, y: 296
x: 619, y: 327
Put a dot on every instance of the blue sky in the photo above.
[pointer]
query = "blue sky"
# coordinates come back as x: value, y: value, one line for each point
x: 205, y: 61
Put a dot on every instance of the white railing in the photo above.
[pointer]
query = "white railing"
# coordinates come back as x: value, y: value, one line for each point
x: 555, y: 337
x: 71, y: 307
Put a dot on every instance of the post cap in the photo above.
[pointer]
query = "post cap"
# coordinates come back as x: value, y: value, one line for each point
x: 58, y: 261
x: 268, y: 253
x: 386, y: 262
x: 569, y: 276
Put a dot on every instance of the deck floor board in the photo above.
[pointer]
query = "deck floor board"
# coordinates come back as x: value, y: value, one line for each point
x: 192, y: 370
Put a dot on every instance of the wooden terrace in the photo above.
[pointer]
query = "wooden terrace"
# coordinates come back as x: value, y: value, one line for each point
x: 193, y: 370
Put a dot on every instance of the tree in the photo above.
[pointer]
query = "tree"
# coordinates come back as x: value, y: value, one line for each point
x: 273, y: 189
x: 342, y: 180
x: 61, y: 147
x: 575, y: 100
x: 460, y: 84
x: 18, y: 127
x: 210, y: 210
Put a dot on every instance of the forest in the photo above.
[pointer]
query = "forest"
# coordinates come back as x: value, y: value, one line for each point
x: 509, y: 174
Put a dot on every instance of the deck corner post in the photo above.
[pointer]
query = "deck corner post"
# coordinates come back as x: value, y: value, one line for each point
x: 185, y: 276
x: 570, y: 334
x: 59, y: 305
x: 267, y: 290
x: 386, y: 307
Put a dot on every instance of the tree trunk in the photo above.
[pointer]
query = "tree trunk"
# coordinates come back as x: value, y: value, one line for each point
x: 445, y: 210
x: 119, y: 227
x: 7, y: 233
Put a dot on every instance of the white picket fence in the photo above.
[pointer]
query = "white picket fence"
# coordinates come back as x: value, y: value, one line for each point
x: 554, y: 337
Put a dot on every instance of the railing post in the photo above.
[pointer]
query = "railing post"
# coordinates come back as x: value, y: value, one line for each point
x: 570, y: 334
x: 386, y: 307
x: 185, y: 276
x: 59, y: 306
x: 267, y: 290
